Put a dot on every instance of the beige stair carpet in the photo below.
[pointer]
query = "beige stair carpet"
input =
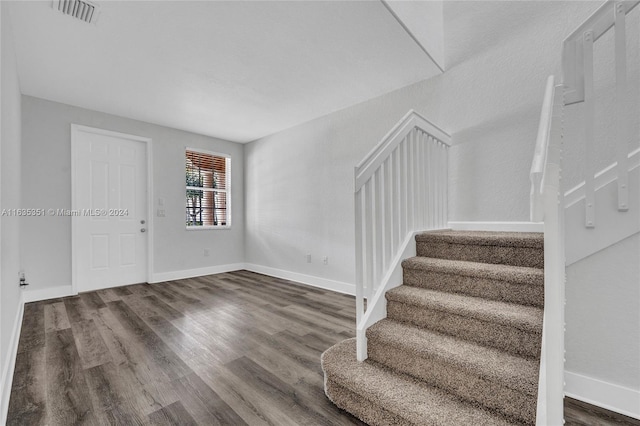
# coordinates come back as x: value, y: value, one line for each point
x: 461, y: 341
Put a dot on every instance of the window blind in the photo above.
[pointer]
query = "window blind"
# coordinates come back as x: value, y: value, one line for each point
x: 207, y: 186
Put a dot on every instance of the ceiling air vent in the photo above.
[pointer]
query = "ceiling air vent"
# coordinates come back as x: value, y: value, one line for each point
x: 79, y: 9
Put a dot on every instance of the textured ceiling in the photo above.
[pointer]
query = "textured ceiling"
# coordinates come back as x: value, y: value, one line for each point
x: 233, y: 70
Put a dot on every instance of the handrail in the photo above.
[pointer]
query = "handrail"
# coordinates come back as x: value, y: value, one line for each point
x: 412, y: 119
x: 551, y: 211
x: 598, y: 23
x: 603, y: 177
x: 545, y: 206
x: 536, y: 175
x: 400, y: 189
x: 548, y: 203
x: 578, y: 80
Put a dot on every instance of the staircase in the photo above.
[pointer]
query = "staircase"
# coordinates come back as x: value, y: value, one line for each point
x: 461, y: 341
x: 455, y: 335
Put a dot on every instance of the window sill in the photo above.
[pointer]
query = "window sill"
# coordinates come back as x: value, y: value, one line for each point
x: 207, y: 228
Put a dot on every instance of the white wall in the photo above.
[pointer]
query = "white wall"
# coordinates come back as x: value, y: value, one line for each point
x: 46, y: 177
x: 424, y: 19
x: 10, y: 194
x: 603, y: 317
x: 299, y: 182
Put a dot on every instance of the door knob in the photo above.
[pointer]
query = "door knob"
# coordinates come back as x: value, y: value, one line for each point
x: 143, y: 230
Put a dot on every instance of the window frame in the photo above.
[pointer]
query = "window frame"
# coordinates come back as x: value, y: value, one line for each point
x: 227, y: 189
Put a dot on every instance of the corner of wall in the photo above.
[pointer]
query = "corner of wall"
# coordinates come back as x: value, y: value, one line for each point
x: 10, y: 198
x: 10, y: 362
x: 244, y: 201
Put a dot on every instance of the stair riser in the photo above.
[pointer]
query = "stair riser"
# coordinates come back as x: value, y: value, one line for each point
x: 504, y: 291
x: 383, y: 397
x: 362, y: 408
x: 499, y: 336
x: 515, y: 256
x: 456, y: 380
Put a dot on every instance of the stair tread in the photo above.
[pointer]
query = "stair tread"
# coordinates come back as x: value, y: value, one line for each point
x: 415, y: 401
x: 526, y: 318
x: 512, y: 371
x: 515, y: 274
x: 485, y: 238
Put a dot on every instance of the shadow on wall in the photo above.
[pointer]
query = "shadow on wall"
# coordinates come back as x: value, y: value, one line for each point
x: 504, y: 21
x: 513, y: 118
x: 509, y: 140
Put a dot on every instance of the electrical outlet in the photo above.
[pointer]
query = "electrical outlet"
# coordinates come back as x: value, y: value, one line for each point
x: 309, y: 258
x: 206, y: 252
x: 22, y: 279
x: 325, y: 260
x: 161, y: 213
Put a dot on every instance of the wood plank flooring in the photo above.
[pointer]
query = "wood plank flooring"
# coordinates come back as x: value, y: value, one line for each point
x: 578, y: 413
x: 228, y: 349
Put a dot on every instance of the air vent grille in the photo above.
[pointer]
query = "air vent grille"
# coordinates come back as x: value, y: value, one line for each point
x: 79, y: 9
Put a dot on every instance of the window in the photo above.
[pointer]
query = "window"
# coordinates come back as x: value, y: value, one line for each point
x: 208, y: 197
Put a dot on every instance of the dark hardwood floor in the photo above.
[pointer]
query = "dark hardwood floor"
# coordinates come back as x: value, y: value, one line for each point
x: 580, y: 413
x: 236, y: 348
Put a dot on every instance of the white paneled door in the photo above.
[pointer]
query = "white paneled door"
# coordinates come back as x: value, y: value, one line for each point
x: 109, y: 213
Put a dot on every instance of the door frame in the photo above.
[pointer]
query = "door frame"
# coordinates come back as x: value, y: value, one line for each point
x: 76, y: 131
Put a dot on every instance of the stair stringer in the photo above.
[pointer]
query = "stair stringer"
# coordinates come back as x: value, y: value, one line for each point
x: 611, y: 225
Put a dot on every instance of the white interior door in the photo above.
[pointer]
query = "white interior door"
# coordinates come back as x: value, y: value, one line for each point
x: 110, y: 209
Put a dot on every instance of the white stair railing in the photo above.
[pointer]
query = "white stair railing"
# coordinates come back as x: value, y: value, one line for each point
x: 400, y: 189
x: 540, y: 156
x: 548, y: 201
x: 606, y: 201
x: 547, y: 206
x: 577, y: 69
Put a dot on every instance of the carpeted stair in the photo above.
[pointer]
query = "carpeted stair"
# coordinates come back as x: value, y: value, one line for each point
x: 461, y: 341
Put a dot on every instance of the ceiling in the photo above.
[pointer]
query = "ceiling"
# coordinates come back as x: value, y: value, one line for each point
x: 236, y: 70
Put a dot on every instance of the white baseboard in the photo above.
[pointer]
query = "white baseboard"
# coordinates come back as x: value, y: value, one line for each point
x: 159, y: 277
x: 10, y: 363
x: 603, y: 394
x: 47, y: 293
x: 498, y: 226
x: 324, y: 283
